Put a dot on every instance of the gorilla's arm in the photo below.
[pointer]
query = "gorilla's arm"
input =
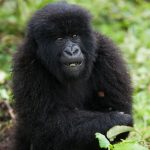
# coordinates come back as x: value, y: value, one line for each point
x: 111, y: 77
x: 76, y: 128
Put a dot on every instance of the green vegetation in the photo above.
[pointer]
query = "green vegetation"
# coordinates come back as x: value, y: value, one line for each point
x: 127, y: 22
x: 128, y: 144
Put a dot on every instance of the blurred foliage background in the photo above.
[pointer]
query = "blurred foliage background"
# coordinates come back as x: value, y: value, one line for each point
x: 126, y: 22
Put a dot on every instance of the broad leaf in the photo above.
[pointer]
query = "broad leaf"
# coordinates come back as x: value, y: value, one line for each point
x: 103, y: 142
x: 116, y: 130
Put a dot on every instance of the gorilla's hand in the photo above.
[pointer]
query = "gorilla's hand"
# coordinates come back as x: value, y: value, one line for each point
x: 123, y: 119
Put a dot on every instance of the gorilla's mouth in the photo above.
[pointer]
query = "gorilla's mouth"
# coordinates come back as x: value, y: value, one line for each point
x: 72, y: 64
x: 73, y: 67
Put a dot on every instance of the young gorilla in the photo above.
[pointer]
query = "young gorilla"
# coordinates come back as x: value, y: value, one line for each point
x: 69, y: 82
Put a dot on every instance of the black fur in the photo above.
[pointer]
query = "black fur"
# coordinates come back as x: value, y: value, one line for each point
x: 55, y: 112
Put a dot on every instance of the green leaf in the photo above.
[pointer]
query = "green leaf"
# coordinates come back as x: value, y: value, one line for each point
x: 2, y: 77
x: 103, y: 142
x: 128, y: 146
x: 116, y: 130
x: 4, y: 94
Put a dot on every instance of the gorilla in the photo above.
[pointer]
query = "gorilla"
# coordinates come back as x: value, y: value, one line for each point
x: 69, y: 82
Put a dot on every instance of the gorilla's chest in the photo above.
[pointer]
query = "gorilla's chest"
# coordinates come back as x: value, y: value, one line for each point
x: 73, y: 96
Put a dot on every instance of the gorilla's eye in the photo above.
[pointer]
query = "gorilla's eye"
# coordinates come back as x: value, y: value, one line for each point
x: 59, y: 39
x: 74, y: 36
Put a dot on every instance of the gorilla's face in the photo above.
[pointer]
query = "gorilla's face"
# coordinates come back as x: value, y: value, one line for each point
x: 65, y: 42
x: 71, y: 59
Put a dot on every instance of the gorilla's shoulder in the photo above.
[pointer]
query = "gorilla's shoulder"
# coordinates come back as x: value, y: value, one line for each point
x: 104, y: 44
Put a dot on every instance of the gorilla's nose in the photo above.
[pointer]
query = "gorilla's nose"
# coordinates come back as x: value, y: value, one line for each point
x: 72, y: 51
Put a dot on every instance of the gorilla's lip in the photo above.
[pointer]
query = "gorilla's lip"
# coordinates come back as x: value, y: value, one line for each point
x: 73, y: 66
x: 72, y: 63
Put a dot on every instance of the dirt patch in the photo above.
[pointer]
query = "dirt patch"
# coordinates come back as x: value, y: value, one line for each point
x: 7, y: 118
x: 6, y: 139
x: 6, y: 144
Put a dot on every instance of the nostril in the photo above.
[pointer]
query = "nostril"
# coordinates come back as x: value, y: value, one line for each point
x: 75, y: 50
x: 68, y: 52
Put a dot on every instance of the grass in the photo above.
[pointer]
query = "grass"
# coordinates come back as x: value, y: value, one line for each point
x: 126, y: 22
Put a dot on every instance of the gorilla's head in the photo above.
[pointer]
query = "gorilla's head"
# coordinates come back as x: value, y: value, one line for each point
x: 65, y: 40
